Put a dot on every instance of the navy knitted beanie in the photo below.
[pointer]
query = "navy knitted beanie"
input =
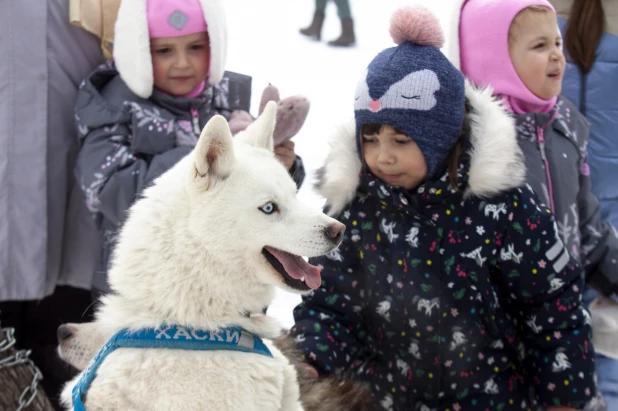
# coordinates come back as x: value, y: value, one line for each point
x: 414, y: 88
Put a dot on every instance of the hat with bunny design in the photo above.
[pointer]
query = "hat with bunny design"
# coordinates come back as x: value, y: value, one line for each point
x: 414, y: 88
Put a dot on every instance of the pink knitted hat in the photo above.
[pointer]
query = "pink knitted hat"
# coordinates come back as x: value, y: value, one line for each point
x: 174, y: 18
x: 140, y: 20
x: 484, y: 51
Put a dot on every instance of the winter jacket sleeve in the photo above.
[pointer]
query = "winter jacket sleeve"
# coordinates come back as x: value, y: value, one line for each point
x: 544, y: 285
x: 330, y: 327
x: 114, y: 163
x: 599, y: 239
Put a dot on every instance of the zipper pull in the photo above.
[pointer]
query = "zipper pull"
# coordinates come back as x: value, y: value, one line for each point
x: 541, y: 140
x: 196, y: 121
x: 542, y: 149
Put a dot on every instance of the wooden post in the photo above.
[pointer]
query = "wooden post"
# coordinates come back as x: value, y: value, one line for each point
x: 19, y: 378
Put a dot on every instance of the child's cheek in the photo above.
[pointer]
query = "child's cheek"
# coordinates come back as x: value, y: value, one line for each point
x: 159, y: 71
x: 205, y: 65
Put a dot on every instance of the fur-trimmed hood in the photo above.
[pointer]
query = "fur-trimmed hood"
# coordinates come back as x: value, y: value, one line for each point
x: 496, y: 161
x: 132, y: 44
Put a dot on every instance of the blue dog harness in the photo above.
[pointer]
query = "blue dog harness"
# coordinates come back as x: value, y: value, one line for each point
x: 174, y: 337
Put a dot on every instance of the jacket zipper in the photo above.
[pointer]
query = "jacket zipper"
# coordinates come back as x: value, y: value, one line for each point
x: 541, y: 140
x: 195, y: 117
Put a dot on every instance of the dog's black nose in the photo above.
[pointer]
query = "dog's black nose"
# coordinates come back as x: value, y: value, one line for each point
x: 335, y: 232
x: 64, y: 332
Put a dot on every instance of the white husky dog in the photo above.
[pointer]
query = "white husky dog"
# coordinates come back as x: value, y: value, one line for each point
x: 205, y: 248
x: 78, y: 344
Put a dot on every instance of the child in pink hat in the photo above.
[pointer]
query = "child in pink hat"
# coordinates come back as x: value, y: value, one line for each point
x: 174, y: 26
x: 139, y: 114
x: 515, y: 48
x: 173, y: 45
x: 528, y: 82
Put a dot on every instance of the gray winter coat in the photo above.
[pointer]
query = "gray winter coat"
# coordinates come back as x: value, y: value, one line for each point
x: 561, y: 137
x: 128, y: 141
x: 46, y: 234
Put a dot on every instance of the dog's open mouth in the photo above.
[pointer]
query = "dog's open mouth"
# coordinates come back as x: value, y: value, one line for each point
x: 296, y: 272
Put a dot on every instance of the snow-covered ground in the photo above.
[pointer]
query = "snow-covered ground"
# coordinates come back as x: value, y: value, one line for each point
x: 264, y: 43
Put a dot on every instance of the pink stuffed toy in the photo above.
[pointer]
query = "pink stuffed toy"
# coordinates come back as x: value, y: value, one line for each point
x: 291, y: 115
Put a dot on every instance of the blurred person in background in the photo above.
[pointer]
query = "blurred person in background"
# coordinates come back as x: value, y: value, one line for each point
x: 47, y: 238
x: 590, y: 32
x: 347, y: 37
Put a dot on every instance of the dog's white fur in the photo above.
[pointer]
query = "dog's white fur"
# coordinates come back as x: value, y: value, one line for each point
x: 78, y: 343
x: 88, y: 338
x: 190, y: 253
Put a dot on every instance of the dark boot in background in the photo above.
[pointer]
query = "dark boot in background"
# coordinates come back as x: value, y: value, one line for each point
x: 315, y: 29
x: 347, y: 37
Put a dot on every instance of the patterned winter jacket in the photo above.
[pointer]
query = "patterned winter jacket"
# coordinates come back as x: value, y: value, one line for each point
x: 563, y: 183
x: 449, y: 300
x: 127, y: 141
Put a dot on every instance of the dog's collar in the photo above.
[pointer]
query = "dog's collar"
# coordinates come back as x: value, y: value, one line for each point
x: 174, y: 337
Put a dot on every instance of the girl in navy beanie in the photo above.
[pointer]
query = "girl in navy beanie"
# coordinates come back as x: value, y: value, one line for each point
x: 451, y: 289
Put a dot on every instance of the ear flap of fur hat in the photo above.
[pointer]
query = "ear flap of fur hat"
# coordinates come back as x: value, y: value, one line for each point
x: 132, y: 44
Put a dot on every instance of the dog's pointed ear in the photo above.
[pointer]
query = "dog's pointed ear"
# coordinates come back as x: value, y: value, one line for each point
x: 260, y: 132
x: 214, y: 152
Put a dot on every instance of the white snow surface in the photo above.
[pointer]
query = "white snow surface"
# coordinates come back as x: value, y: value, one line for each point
x: 264, y: 43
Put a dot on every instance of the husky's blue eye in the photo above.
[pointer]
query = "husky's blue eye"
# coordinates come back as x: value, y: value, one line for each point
x: 269, y: 208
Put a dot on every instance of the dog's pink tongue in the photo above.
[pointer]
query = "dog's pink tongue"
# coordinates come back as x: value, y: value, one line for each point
x: 297, y: 267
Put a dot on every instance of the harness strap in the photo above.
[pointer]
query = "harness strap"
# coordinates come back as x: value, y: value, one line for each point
x: 169, y: 337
